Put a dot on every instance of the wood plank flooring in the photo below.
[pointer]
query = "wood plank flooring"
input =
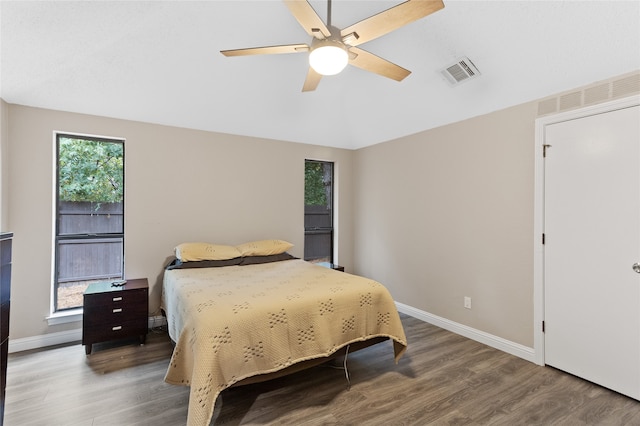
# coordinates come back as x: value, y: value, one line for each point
x: 443, y: 379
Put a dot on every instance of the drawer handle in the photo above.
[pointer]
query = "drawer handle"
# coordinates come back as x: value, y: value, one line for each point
x: 116, y: 328
x: 117, y: 299
x: 116, y: 310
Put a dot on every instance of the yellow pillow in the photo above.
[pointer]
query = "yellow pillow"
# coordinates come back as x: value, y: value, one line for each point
x: 264, y: 247
x: 192, y: 252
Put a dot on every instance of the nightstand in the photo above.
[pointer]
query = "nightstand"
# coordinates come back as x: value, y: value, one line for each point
x: 112, y: 313
x: 331, y: 266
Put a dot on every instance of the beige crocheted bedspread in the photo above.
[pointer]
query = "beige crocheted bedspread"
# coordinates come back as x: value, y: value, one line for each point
x: 235, y: 322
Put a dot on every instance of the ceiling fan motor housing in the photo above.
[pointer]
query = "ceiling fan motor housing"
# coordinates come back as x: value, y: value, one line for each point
x: 329, y: 56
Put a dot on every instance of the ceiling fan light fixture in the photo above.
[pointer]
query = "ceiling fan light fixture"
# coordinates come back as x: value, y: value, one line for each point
x: 328, y: 57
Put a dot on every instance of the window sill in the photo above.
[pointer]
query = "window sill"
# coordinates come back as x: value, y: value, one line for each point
x: 72, y: 315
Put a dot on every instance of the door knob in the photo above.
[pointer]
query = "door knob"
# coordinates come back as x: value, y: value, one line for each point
x: 636, y: 267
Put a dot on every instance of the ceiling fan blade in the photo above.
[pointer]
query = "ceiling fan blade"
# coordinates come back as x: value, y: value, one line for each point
x: 267, y: 50
x: 370, y: 62
x: 389, y: 20
x: 312, y: 80
x: 308, y: 18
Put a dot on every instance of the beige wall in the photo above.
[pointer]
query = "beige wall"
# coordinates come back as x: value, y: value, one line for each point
x: 4, y: 166
x: 436, y: 216
x: 448, y: 213
x: 181, y: 185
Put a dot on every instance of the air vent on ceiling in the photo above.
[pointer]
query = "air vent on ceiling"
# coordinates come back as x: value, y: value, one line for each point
x: 461, y: 71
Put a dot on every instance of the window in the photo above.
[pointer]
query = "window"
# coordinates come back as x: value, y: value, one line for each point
x: 89, y: 240
x: 318, y: 211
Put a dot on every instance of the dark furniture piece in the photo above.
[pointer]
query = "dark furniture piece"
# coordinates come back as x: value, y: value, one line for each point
x: 332, y: 266
x: 112, y: 313
x: 5, y: 301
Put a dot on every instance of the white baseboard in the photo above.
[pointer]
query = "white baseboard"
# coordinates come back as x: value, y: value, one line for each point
x: 44, y: 340
x: 62, y: 337
x: 504, y: 345
x: 516, y: 349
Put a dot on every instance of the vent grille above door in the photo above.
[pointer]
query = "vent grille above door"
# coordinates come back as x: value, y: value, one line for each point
x: 461, y: 71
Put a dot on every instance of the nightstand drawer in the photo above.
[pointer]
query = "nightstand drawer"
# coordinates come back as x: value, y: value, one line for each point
x: 110, y: 314
x: 118, y: 330
x: 115, y: 298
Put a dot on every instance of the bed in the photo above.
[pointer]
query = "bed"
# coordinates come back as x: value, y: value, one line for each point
x: 252, y: 317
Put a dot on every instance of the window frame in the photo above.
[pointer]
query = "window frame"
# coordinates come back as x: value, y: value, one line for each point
x: 57, y: 237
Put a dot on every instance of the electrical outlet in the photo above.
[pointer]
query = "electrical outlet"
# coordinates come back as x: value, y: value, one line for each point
x: 467, y: 302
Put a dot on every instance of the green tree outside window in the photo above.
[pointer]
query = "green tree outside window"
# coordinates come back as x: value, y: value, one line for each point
x: 315, y: 192
x: 91, y: 171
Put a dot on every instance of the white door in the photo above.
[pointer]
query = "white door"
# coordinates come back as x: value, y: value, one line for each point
x: 592, y: 240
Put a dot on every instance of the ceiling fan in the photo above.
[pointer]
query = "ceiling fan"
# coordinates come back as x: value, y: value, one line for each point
x: 331, y: 48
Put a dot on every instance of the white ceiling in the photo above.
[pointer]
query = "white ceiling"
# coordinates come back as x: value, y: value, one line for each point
x: 159, y: 62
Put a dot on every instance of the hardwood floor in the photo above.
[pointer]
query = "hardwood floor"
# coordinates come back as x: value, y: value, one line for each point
x: 442, y: 379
